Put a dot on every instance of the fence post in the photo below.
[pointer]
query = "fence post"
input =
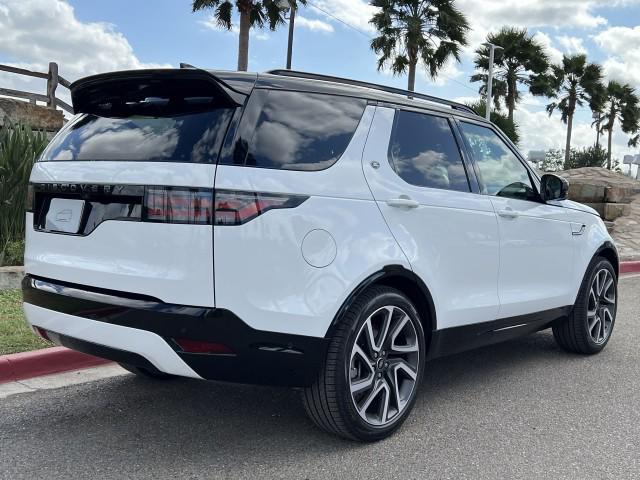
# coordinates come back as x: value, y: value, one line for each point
x: 52, y: 84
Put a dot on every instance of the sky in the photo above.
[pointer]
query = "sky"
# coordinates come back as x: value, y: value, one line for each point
x: 331, y: 37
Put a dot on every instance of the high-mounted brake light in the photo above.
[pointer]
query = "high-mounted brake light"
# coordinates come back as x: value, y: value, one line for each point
x: 237, y: 208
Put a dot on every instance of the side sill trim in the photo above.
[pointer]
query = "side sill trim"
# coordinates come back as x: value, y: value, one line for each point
x: 467, y: 337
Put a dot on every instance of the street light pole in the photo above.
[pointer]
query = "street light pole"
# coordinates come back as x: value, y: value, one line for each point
x: 292, y: 19
x: 493, y: 49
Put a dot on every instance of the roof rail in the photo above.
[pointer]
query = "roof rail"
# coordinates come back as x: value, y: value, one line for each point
x: 375, y: 86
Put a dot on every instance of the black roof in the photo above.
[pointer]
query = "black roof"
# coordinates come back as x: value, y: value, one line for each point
x: 244, y: 82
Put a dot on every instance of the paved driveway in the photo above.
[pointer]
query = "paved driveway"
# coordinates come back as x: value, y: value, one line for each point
x: 523, y: 409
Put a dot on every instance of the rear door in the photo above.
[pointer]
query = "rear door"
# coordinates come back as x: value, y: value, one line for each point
x: 415, y: 168
x: 536, y: 242
x: 123, y: 195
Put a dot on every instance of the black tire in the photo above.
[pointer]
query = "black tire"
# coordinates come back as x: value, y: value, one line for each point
x: 145, y: 372
x: 573, y: 333
x: 329, y: 402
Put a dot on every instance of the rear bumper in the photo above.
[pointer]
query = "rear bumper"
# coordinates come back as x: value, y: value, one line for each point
x: 141, y: 331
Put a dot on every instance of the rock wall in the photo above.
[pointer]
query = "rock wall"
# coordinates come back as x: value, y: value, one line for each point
x: 36, y: 116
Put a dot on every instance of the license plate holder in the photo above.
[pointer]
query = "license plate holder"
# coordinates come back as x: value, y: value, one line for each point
x: 64, y: 215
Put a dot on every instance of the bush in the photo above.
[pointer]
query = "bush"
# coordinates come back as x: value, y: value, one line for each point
x: 19, y: 148
x: 586, y: 157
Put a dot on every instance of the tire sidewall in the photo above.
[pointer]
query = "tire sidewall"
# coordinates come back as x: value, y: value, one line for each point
x: 361, y: 429
x: 598, y: 265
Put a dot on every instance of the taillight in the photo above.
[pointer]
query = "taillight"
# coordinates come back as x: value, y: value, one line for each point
x: 236, y: 208
x: 178, y: 205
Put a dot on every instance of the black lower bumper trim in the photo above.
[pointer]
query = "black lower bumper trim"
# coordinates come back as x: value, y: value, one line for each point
x: 114, y: 354
x: 259, y: 357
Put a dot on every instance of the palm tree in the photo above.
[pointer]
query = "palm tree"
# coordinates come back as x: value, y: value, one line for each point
x: 252, y: 14
x: 522, y: 60
x: 431, y: 31
x: 620, y: 103
x: 570, y: 85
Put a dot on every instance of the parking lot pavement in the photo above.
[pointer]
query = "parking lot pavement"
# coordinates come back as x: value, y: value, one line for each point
x: 523, y: 409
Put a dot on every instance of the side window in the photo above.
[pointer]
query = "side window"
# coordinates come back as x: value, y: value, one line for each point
x: 297, y: 130
x: 424, y: 152
x: 502, y: 174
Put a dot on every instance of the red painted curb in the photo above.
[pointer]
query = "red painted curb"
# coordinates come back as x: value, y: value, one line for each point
x: 629, y: 267
x: 20, y: 366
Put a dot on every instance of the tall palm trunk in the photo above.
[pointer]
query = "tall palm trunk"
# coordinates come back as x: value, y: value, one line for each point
x: 511, y: 94
x: 411, y: 84
x: 567, y: 150
x: 610, y: 123
x: 243, y: 41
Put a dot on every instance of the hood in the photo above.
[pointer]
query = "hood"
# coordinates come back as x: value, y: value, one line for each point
x: 578, y: 206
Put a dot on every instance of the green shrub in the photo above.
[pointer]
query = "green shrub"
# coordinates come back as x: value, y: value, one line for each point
x: 19, y: 148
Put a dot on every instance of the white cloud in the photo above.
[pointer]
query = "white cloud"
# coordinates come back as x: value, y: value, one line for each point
x: 356, y: 13
x: 80, y: 49
x: 313, y: 24
x: 622, y: 45
x: 212, y: 24
x: 571, y: 45
x: 543, y: 39
x: 538, y: 131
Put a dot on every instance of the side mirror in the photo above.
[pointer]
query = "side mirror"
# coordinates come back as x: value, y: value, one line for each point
x: 553, y: 187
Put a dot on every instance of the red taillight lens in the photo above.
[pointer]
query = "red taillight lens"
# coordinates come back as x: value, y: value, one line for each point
x: 178, y: 205
x: 199, y: 346
x: 236, y: 208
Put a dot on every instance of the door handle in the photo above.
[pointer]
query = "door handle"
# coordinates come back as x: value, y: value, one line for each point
x: 508, y: 213
x: 403, y: 202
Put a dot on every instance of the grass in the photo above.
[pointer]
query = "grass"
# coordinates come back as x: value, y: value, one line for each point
x: 15, y: 334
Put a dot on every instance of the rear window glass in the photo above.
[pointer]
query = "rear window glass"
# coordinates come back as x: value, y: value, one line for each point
x: 423, y: 152
x: 190, y: 137
x: 296, y: 130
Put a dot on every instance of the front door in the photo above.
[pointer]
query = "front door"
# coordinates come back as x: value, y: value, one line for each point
x: 536, y: 249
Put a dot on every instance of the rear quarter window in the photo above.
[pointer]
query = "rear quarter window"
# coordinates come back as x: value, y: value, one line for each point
x: 295, y: 130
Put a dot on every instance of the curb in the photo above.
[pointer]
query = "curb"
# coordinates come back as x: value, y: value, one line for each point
x: 629, y: 267
x: 20, y: 366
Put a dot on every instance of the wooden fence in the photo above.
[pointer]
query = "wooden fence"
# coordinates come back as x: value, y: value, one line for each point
x: 53, y: 81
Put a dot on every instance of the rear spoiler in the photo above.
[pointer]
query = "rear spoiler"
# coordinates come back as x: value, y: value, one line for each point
x: 88, y: 93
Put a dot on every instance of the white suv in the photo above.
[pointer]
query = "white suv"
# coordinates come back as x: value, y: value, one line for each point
x: 302, y: 230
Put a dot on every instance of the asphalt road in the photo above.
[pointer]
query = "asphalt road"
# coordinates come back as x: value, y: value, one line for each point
x: 523, y: 409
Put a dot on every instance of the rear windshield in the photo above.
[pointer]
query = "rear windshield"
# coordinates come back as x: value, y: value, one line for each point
x: 190, y: 137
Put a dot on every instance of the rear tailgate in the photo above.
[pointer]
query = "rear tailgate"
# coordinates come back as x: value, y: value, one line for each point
x: 122, y: 197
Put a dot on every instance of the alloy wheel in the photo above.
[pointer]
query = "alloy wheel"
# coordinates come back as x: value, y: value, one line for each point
x: 384, y: 365
x: 601, y: 307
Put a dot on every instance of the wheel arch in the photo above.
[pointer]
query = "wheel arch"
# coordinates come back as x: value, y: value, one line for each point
x: 404, y: 280
x: 608, y: 250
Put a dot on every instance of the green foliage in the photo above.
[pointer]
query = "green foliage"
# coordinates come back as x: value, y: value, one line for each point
x: 585, y: 157
x: 14, y: 253
x: 522, y: 60
x: 15, y: 334
x: 509, y: 127
x: 409, y: 31
x: 571, y: 85
x: 19, y: 148
x: 260, y: 13
x: 620, y: 104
